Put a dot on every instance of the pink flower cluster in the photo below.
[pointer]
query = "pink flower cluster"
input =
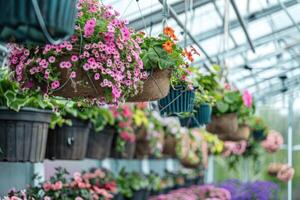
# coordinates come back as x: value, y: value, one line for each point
x: 247, y: 99
x: 234, y: 148
x: 106, y: 48
x: 205, y: 192
x: 47, y: 186
x: 285, y: 173
x: 273, y: 142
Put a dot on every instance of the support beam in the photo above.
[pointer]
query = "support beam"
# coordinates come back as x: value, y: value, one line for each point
x: 156, y: 16
x: 182, y: 26
x: 281, y: 33
x: 242, y: 23
x: 290, y: 141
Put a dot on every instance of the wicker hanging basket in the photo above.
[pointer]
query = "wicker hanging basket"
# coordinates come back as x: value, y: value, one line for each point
x: 169, y: 148
x: 225, y: 126
x: 242, y: 133
x: 20, y: 20
x: 156, y: 87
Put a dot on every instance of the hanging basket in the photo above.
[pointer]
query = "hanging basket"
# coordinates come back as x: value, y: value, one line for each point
x: 143, y: 149
x: 19, y: 21
x: 274, y: 168
x: 68, y: 142
x: 189, y: 122
x: 156, y: 87
x: 225, y: 126
x: 185, y: 162
x: 128, y: 152
x: 258, y: 135
x: 82, y: 86
x: 178, y: 100
x: 99, y: 144
x: 169, y: 148
x: 203, y: 114
x: 23, y: 134
x: 242, y: 133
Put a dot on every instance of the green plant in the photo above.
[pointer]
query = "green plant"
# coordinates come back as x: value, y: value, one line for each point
x: 13, y: 97
x: 228, y: 101
x: 154, y: 181
x: 130, y: 182
x: 203, y: 97
x: 257, y: 124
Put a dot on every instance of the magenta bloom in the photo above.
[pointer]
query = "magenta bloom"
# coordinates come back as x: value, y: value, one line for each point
x: 247, y: 99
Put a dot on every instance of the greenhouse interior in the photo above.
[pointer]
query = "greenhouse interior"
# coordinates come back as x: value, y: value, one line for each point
x: 149, y: 100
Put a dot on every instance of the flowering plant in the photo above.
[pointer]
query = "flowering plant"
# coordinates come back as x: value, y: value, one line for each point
x: 171, y: 126
x: 273, y: 142
x: 234, y: 148
x: 103, y: 51
x: 258, y: 190
x: 228, y: 101
x: 215, y: 145
x: 95, y: 185
x: 124, y: 125
x: 136, y: 180
x: 258, y: 124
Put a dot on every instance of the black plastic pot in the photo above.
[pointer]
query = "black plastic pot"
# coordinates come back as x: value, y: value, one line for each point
x: 23, y: 134
x: 258, y: 135
x: 178, y: 100
x: 99, y: 144
x: 128, y: 153
x: 118, y: 197
x: 203, y: 114
x: 189, y: 122
x: 68, y: 142
x: 188, y: 182
x: 19, y: 22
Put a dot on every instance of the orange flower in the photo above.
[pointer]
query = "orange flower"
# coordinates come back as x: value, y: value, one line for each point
x: 195, y: 51
x: 170, y: 32
x: 188, y: 55
x: 168, y: 46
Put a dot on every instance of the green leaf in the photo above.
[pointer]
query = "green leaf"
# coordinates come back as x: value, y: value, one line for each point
x: 222, y: 106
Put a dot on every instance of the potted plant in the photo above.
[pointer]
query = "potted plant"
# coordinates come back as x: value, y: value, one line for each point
x: 188, y: 120
x: 101, y: 134
x: 215, y: 145
x: 124, y: 141
x: 34, y: 22
x: 150, y: 137
x: 259, y: 129
x: 24, y: 120
x: 154, y: 183
x: 172, y: 130
x: 138, y: 187
x: 206, y: 86
x: 225, y: 119
x: 101, y: 60
x: 69, y: 131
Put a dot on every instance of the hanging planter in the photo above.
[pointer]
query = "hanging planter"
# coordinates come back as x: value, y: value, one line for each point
x: 156, y: 86
x: 178, y: 100
x: 258, y: 135
x: 224, y: 126
x: 169, y: 148
x: 143, y: 149
x: 99, y: 143
x: 203, y: 114
x: 129, y: 149
x: 189, y: 122
x: 37, y: 21
x: 23, y: 134
x: 68, y: 142
x: 101, y: 60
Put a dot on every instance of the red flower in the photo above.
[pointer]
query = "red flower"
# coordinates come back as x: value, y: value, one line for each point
x: 111, y: 186
x: 127, y: 112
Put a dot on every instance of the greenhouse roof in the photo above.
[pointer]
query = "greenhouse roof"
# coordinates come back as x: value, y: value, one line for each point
x: 273, y: 28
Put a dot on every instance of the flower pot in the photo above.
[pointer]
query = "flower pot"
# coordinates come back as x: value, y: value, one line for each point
x: 23, y: 134
x: 169, y: 148
x: 142, y: 194
x: 68, y: 142
x: 189, y: 122
x: 19, y: 22
x: 156, y: 86
x: 178, y: 100
x: 118, y: 197
x: 258, y: 135
x: 99, y: 144
x: 203, y: 114
x: 225, y: 126
x: 128, y: 152
x: 274, y: 168
x: 185, y: 162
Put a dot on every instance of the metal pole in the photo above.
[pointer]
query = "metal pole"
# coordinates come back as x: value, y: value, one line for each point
x: 290, y: 141
x: 182, y: 26
x: 242, y: 23
x: 210, y: 171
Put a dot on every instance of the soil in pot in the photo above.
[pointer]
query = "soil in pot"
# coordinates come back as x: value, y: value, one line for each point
x: 156, y: 87
x: 203, y: 114
x: 178, y: 100
x: 99, y: 144
x: 68, y: 142
x: 23, y: 134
